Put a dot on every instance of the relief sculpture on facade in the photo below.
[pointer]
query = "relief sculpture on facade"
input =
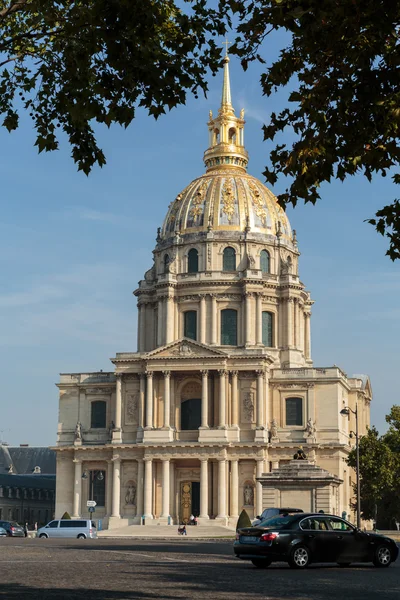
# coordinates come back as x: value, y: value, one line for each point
x: 248, y: 406
x: 130, y: 496
x: 248, y: 495
x: 132, y: 406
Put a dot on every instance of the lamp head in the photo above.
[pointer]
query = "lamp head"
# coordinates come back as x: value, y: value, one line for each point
x: 345, y: 411
x: 84, y: 475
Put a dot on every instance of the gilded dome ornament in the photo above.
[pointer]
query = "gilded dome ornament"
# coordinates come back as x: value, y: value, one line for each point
x: 228, y: 200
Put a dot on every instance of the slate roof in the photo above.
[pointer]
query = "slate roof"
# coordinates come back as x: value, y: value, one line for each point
x: 24, y: 459
x: 28, y: 481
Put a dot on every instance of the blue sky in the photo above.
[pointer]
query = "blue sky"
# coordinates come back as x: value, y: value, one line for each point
x: 72, y: 250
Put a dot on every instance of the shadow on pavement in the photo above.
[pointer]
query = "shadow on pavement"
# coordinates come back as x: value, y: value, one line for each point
x: 16, y: 591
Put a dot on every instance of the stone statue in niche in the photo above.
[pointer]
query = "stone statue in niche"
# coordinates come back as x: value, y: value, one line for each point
x: 286, y: 266
x: 248, y: 495
x: 111, y: 428
x: 250, y: 261
x: 274, y: 428
x: 248, y: 406
x: 130, y: 496
x: 78, y: 432
x: 310, y: 428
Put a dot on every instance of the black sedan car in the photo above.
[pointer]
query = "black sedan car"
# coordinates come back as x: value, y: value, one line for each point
x: 302, y: 538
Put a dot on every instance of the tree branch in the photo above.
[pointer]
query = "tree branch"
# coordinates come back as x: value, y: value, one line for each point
x: 14, y: 7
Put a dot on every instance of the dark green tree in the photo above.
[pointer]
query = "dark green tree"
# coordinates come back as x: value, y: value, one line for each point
x: 243, y: 520
x: 66, y: 515
x: 70, y: 64
x: 341, y: 67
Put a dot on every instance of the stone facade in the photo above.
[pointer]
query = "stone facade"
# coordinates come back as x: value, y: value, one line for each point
x: 222, y: 388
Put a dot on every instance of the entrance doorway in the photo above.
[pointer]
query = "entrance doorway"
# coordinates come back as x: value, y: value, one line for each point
x: 190, y: 500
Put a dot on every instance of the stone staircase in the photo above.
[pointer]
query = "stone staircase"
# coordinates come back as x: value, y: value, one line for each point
x: 168, y: 532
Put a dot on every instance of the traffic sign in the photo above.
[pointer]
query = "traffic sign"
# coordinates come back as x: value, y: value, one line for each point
x: 91, y: 503
x: 91, y: 509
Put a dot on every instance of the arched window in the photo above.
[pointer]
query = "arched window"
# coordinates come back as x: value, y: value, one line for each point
x: 98, y: 414
x: 267, y: 329
x: 229, y: 259
x: 216, y: 136
x: 264, y: 261
x: 191, y: 414
x: 190, y: 324
x: 228, y: 327
x: 232, y: 135
x: 193, y: 261
x: 294, y: 411
x: 166, y: 263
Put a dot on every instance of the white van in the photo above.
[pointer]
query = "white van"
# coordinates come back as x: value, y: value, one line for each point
x: 69, y: 528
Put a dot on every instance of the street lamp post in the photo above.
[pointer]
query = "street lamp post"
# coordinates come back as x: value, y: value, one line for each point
x: 346, y: 411
x: 93, y: 475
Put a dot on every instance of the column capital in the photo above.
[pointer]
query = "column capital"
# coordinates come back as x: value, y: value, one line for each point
x: 118, y: 376
x: 77, y: 461
x: 149, y: 374
x: 260, y: 373
x: 164, y: 460
x: 148, y: 458
x: 166, y: 374
x: 204, y: 460
x: 248, y: 294
x: 116, y: 458
x: 222, y: 372
x: 204, y: 372
x: 234, y: 373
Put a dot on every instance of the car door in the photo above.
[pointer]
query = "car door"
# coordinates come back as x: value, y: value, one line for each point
x: 52, y: 529
x: 319, y: 538
x: 351, y: 543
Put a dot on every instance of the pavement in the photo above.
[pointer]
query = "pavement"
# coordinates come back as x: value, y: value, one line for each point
x: 168, y: 532
x: 123, y: 569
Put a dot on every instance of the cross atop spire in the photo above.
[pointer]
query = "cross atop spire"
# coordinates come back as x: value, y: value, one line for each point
x: 226, y: 100
x: 226, y: 44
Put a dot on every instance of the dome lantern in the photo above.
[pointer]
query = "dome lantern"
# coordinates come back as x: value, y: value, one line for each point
x: 226, y: 132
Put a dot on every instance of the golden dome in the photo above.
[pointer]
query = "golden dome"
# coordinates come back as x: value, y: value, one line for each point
x: 226, y: 198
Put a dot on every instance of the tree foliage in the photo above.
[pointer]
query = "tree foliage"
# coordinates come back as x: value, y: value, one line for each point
x: 243, y: 520
x: 72, y: 63
x: 66, y: 515
x: 342, y: 65
x: 380, y: 472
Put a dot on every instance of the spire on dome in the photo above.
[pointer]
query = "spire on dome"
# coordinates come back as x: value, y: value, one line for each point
x: 226, y: 131
x: 226, y: 101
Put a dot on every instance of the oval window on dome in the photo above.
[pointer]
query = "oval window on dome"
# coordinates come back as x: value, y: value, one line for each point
x: 229, y: 259
x: 265, y: 261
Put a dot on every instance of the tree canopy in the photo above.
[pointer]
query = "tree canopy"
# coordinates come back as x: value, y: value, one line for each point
x: 380, y: 472
x: 72, y: 63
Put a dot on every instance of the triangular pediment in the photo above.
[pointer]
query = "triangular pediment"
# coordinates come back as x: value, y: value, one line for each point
x: 185, y: 348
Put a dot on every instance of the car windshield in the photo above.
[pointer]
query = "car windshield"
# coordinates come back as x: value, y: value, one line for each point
x: 279, y: 522
x: 15, y: 524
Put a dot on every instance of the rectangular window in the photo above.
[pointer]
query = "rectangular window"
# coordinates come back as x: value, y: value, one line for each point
x: 294, y: 411
x: 267, y: 338
x: 190, y: 324
x: 98, y: 479
x: 228, y: 327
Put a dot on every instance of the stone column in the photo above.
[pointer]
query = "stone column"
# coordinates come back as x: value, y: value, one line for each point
x: 167, y: 405
x: 235, y: 489
x: 204, y: 399
x: 259, y: 319
x: 139, y: 329
x: 142, y: 387
x: 289, y: 321
x: 260, y: 398
x: 266, y: 400
x: 213, y: 319
x: 204, y: 488
x: 172, y: 504
x: 142, y: 328
x: 202, y: 338
x: 139, y: 488
x: 118, y: 402
x: 116, y: 491
x: 169, y: 319
x: 77, y: 487
x: 259, y: 472
x: 160, y: 322
x: 149, y: 400
x: 222, y: 398
x: 235, y: 412
x: 165, y: 488
x: 308, y: 335
x: 109, y: 483
x: 221, y: 488
x: 148, y: 488
x: 248, y: 332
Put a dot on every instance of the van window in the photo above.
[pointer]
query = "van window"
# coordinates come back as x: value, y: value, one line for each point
x: 74, y: 524
x: 53, y: 524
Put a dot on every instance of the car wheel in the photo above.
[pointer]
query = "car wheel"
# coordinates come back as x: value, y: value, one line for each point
x: 299, y: 557
x: 261, y: 563
x: 383, y: 556
x: 343, y: 565
x: 81, y: 536
x: 43, y: 535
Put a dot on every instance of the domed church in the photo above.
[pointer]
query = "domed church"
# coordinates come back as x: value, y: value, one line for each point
x: 222, y: 390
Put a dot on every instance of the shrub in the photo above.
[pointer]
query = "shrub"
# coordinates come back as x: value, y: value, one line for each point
x: 66, y: 515
x: 243, y: 520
